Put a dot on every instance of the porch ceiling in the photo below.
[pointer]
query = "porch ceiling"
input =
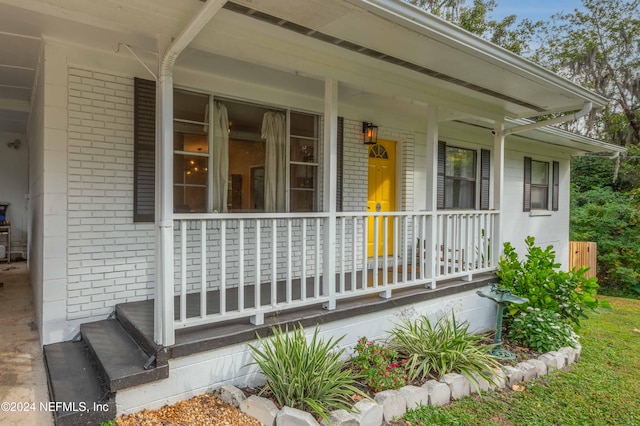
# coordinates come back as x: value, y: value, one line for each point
x: 384, y: 52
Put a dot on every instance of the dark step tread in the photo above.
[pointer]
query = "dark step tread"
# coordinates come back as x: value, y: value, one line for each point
x: 118, y: 356
x: 74, y: 382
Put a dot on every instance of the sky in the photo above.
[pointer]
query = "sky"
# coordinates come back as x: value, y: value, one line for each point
x: 535, y: 10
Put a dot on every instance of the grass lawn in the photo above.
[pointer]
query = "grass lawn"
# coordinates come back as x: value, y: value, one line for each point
x: 603, y: 388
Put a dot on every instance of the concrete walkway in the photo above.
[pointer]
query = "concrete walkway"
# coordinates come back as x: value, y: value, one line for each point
x: 23, y: 381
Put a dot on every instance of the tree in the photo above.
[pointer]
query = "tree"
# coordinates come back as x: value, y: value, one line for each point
x: 477, y: 20
x: 599, y: 48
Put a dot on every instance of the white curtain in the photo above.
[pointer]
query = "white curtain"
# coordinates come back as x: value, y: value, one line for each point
x: 220, y: 156
x: 274, y: 126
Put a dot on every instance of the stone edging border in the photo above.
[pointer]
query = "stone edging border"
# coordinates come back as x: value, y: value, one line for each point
x: 390, y: 404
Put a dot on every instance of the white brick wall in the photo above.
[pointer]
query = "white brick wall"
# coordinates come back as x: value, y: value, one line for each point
x: 110, y: 258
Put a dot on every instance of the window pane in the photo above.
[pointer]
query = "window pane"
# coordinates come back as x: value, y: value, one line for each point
x: 304, y: 125
x: 302, y: 201
x: 303, y: 177
x: 190, y: 169
x: 539, y: 173
x: 189, y: 199
x: 460, y: 163
x: 303, y: 150
x: 246, y: 168
x: 539, y: 197
x: 190, y: 142
x: 459, y: 194
x: 190, y: 106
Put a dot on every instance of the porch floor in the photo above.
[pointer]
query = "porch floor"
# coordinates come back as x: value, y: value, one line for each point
x: 203, y: 338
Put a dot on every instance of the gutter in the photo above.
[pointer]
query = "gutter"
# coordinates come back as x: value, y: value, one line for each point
x: 586, y: 108
x: 164, y: 333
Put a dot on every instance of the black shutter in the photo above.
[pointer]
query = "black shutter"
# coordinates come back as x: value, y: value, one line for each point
x: 340, y: 152
x: 555, y: 195
x: 526, y: 204
x: 442, y: 159
x: 144, y: 151
x: 485, y: 178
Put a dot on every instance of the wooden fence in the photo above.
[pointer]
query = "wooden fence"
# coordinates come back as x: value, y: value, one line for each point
x: 582, y: 253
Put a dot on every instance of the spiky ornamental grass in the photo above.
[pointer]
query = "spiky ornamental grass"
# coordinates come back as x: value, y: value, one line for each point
x: 447, y: 347
x: 307, y: 376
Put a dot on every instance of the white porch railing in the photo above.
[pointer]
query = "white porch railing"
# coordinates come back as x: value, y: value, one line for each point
x: 232, y: 266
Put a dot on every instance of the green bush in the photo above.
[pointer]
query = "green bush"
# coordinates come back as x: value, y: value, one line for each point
x: 381, y: 367
x: 570, y: 294
x: 308, y: 376
x: 444, y: 348
x: 610, y: 219
x: 542, y: 330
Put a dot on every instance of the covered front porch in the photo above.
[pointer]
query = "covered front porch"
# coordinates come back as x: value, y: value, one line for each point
x: 243, y: 266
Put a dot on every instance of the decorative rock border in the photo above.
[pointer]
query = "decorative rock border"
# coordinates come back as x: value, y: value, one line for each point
x: 390, y: 404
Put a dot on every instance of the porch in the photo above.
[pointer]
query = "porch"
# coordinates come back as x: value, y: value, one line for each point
x: 245, y: 266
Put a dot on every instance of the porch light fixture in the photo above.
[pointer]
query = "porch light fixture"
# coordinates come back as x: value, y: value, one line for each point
x: 369, y: 133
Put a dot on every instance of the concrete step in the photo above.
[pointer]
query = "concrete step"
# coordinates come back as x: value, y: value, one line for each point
x: 119, y: 359
x: 78, y: 395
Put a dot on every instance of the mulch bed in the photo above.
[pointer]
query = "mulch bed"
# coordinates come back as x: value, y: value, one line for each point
x: 209, y: 410
x: 200, y: 410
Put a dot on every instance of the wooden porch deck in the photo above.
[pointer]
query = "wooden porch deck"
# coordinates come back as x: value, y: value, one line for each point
x: 138, y: 316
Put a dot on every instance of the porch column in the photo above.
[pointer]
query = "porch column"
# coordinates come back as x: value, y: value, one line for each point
x: 330, y: 173
x: 498, y: 188
x: 163, y: 305
x: 432, y: 191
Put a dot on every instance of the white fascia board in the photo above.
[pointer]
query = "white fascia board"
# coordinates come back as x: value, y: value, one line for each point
x: 422, y: 22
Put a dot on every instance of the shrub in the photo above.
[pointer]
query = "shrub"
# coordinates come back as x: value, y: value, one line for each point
x: 542, y: 330
x: 538, y: 279
x: 444, y: 348
x: 379, y: 365
x: 308, y: 376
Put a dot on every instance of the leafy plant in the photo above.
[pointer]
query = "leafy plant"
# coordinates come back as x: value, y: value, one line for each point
x: 109, y: 423
x: 308, y: 376
x: 444, y: 348
x: 542, y: 330
x: 538, y: 279
x: 379, y: 365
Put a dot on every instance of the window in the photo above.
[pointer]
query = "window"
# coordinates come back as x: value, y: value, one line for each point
x: 537, y: 182
x: 229, y: 156
x: 457, y: 177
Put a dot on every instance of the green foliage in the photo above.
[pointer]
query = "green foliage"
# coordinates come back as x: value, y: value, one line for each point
x: 596, y: 46
x: 109, y: 423
x: 379, y: 365
x: 444, y: 348
x: 538, y: 279
x: 476, y: 18
x: 610, y: 219
x: 308, y: 376
x: 542, y: 330
x: 601, y: 389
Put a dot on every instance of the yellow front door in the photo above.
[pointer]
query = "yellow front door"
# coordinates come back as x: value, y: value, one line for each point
x: 382, y: 184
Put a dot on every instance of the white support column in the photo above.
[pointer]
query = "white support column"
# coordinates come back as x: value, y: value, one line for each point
x: 431, y: 248
x: 330, y: 173
x: 163, y: 306
x: 498, y: 188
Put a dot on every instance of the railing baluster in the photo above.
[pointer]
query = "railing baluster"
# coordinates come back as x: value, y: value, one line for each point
x: 376, y: 240
x: 385, y: 254
x: 343, y: 224
x: 203, y: 268
x: 303, y: 266
x: 183, y: 273
x: 316, y: 279
x: 223, y: 267
x: 258, y: 265
x: 289, y: 245
x: 414, y: 241
x: 395, y: 249
x: 365, y: 251
x: 274, y: 264
x: 422, y: 247
x: 241, y: 265
x: 405, y: 247
x: 354, y: 247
